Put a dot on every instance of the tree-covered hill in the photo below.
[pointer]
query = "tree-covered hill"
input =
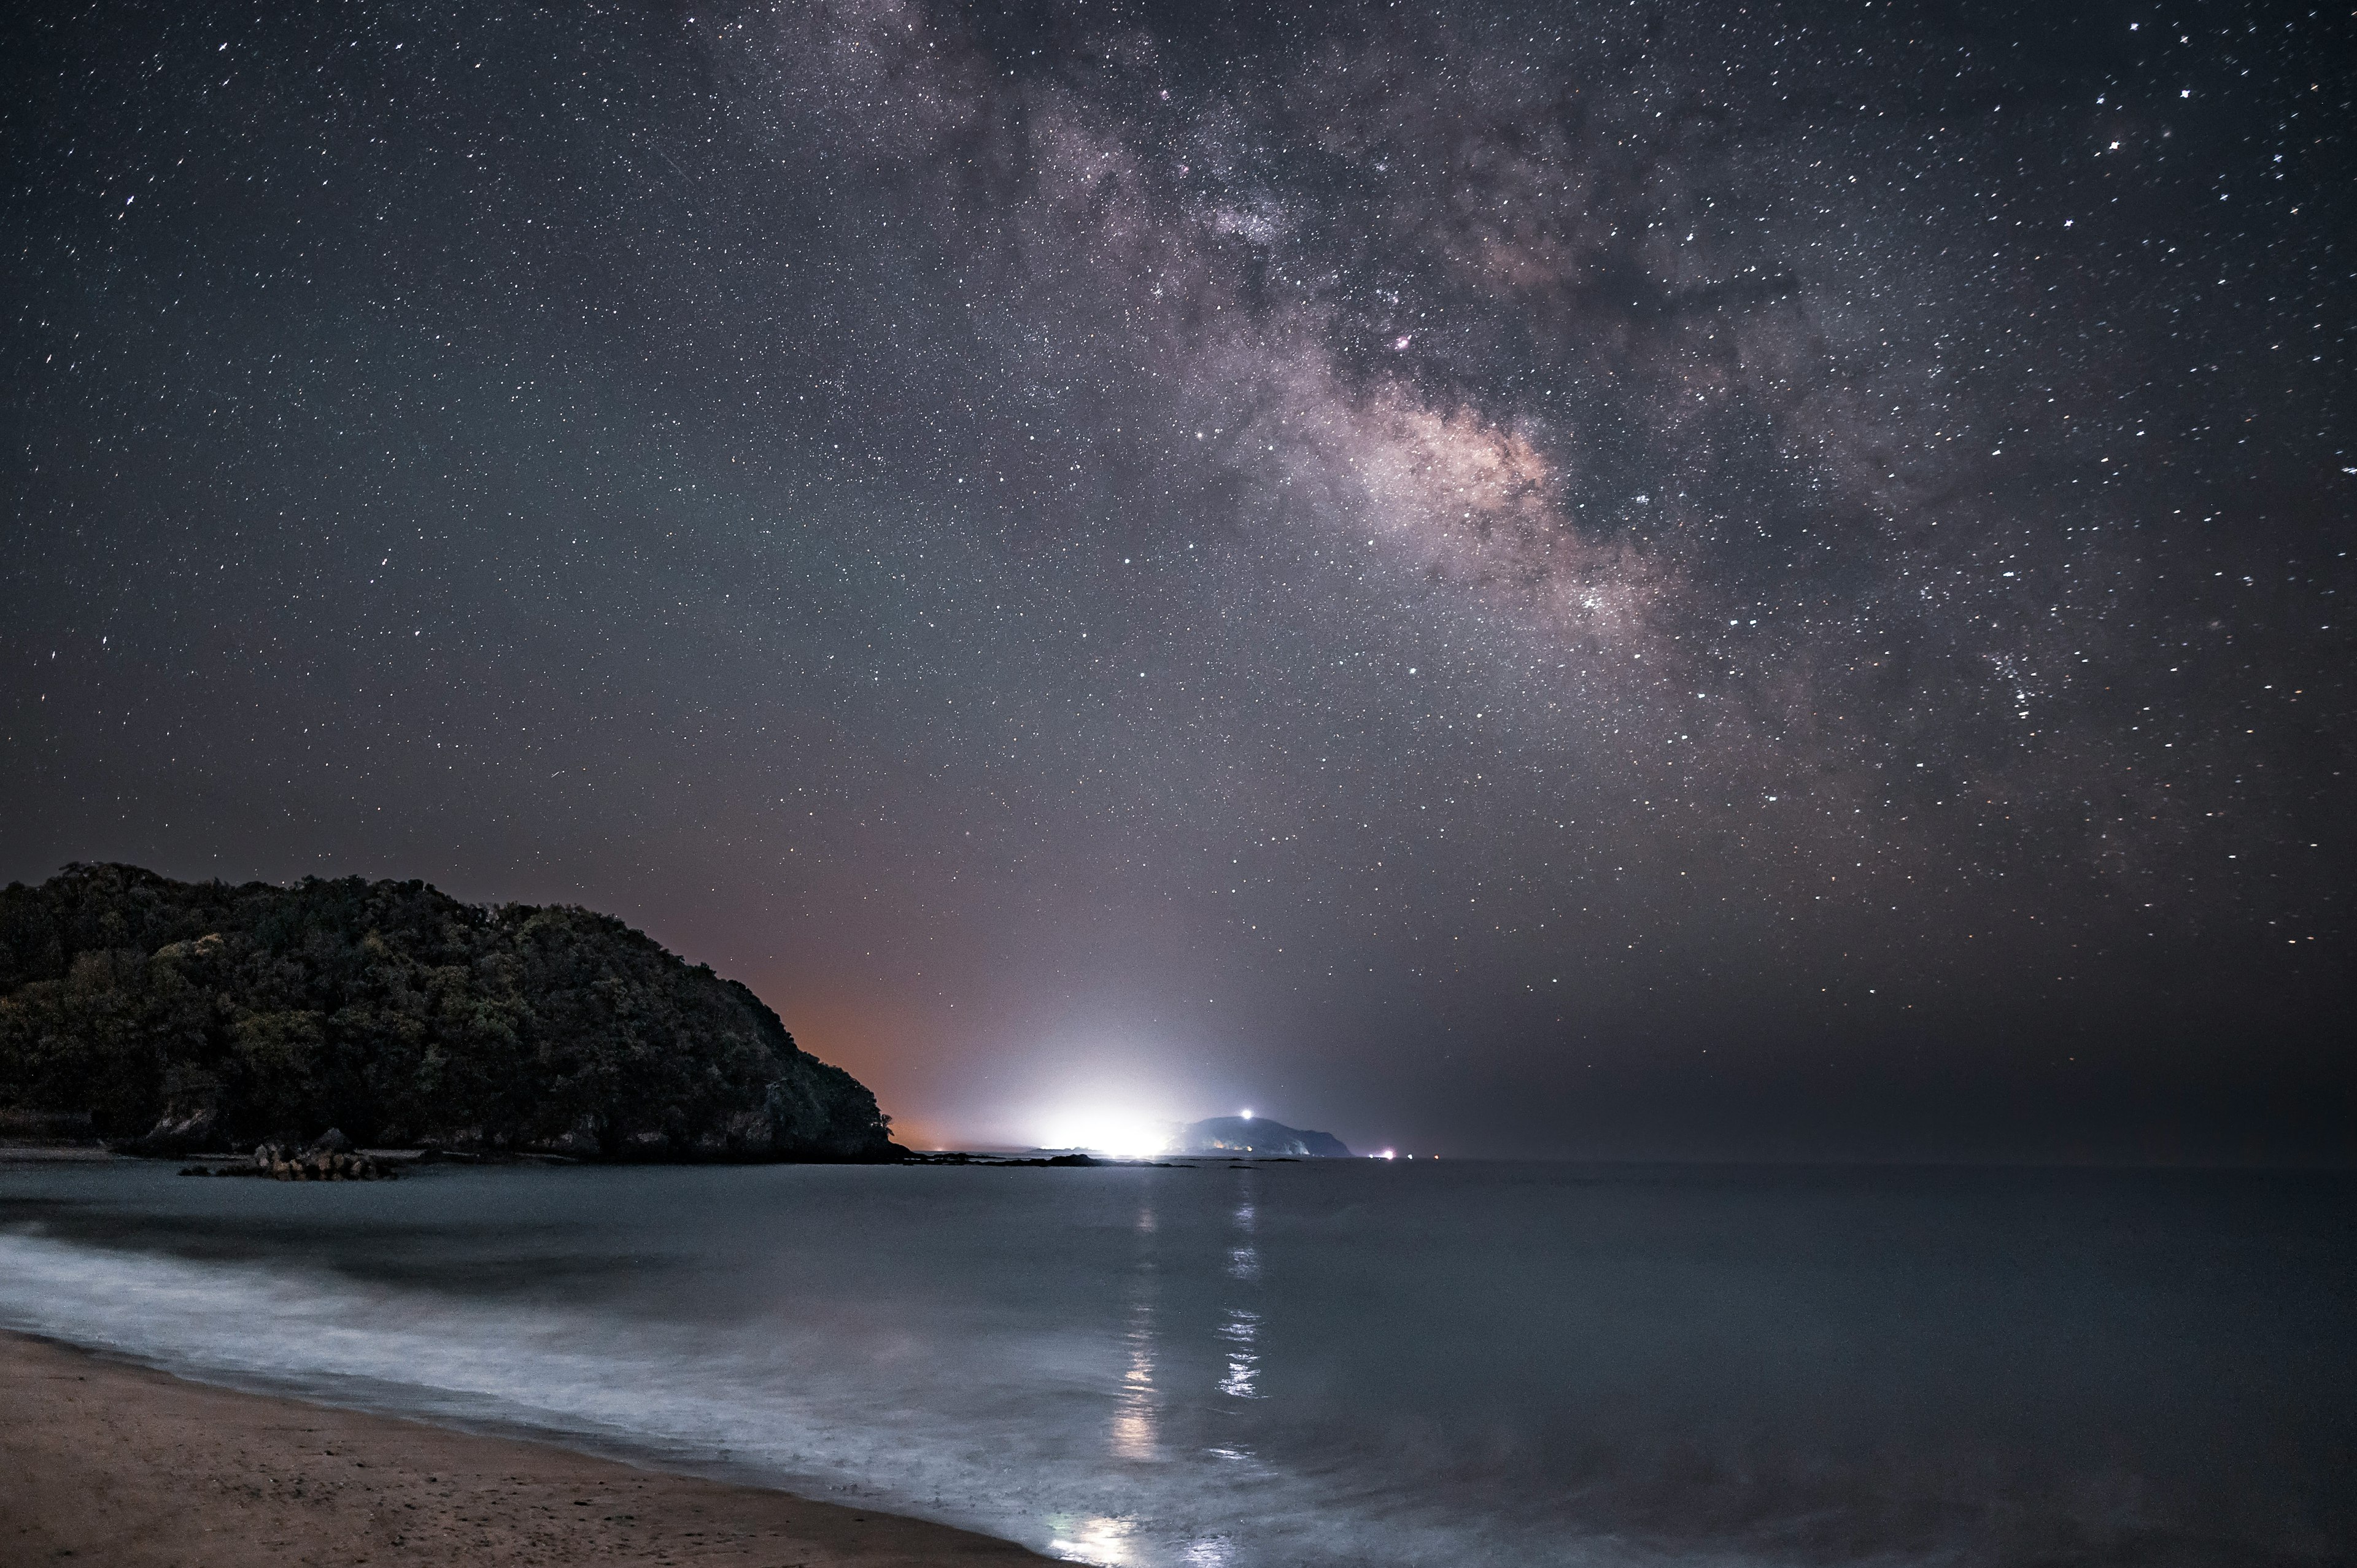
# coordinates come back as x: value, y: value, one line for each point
x: 201, y: 1014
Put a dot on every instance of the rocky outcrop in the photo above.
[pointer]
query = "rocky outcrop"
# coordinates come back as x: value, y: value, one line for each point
x: 179, y: 1132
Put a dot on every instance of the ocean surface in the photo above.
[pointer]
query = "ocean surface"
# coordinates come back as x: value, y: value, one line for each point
x: 1350, y: 1362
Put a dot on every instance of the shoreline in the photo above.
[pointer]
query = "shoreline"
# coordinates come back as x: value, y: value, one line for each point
x: 106, y: 1461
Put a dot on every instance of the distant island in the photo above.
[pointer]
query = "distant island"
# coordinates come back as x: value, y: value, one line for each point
x: 1256, y: 1135
x: 184, y: 1017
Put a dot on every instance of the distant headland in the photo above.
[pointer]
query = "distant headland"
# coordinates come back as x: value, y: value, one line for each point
x: 184, y: 1017
x: 1256, y: 1135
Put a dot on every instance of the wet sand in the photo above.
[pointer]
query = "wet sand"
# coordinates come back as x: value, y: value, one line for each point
x: 107, y: 1464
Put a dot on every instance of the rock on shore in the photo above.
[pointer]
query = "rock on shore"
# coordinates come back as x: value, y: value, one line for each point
x: 332, y: 1158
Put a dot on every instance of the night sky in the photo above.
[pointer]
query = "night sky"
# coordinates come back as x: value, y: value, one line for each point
x: 1575, y: 580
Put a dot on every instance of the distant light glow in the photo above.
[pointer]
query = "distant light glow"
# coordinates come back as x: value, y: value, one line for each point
x: 1388, y: 1155
x: 1101, y: 1131
x: 1247, y: 1112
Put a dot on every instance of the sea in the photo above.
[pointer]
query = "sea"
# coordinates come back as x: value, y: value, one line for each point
x: 1248, y: 1365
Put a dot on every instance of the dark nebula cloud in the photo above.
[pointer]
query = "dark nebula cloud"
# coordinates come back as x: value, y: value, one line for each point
x: 1622, y: 579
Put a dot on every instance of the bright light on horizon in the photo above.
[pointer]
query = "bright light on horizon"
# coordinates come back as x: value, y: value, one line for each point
x: 1247, y: 1112
x: 1104, y: 1132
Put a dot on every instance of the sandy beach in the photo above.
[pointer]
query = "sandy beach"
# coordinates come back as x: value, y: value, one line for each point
x: 102, y: 1463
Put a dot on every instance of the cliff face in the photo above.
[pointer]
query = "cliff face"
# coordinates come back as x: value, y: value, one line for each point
x: 198, y: 1014
x: 1258, y: 1135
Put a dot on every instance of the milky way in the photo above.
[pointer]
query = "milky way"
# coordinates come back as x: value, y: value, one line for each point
x: 1615, y: 579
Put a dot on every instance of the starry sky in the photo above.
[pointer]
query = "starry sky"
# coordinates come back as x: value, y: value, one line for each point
x: 1596, y: 580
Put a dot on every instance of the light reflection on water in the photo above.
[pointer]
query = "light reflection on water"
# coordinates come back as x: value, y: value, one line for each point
x: 1240, y: 1327
x: 1134, y: 1428
x: 1240, y: 1331
x: 1244, y: 1256
x: 1113, y: 1540
x: 1109, y: 1541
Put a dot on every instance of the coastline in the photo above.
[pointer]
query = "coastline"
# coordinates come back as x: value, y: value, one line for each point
x: 102, y: 1461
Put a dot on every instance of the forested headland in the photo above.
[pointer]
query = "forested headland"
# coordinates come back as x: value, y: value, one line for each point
x: 185, y: 1016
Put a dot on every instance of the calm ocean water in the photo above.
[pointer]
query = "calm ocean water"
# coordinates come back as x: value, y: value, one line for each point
x: 1318, y: 1364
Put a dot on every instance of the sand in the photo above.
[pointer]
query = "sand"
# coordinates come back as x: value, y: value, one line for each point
x: 113, y: 1464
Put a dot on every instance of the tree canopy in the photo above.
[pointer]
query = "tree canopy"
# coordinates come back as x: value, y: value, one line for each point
x: 203, y: 1013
